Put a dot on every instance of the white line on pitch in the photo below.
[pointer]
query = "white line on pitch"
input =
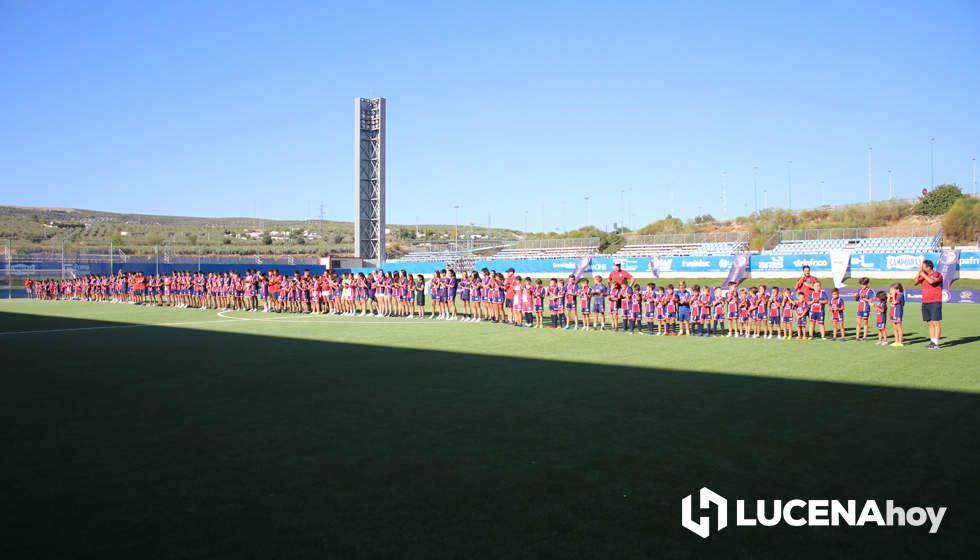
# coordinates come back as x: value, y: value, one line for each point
x: 322, y: 319
x: 106, y: 327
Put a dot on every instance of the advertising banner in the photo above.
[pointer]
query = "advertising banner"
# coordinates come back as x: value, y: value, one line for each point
x: 558, y: 267
x: 740, y: 266
x: 655, y: 267
x: 948, y: 266
x: 582, y: 267
x: 790, y: 263
x: 840, y: 260
x: 970, y: 261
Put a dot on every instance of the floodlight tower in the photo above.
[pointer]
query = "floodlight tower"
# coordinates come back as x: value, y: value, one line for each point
x: 369, y: 179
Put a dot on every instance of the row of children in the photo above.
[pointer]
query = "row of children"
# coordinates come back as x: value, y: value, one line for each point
x: 572, y: 303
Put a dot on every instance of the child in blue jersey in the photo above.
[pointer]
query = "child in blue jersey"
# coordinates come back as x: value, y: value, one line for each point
x: 837, y: 314
x: 896, y: 298
x: 597, y: 294
x: 881, y: 310
x: 465, y: 296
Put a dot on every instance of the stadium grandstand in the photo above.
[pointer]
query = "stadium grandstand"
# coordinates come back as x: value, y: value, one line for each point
x: 683, y: 244
x: 457, y: 255
x: 864, y: 240
x: 551, y: 248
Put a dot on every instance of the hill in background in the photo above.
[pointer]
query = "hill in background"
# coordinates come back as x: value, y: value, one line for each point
x: 43, y: 230
x: 37, y: 230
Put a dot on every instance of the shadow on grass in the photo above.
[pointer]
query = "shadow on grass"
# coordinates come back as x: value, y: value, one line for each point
x: 150, y: 442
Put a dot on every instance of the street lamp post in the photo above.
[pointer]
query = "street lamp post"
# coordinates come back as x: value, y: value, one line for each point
x: 622, y: 205
x: 724, y: 195
x: 869, y: 175
x: 755, y: 187
x: 789, y: 182
x: 890, y: 190
x: 932, y: 162
x: 974, y: 175
x: 456, y: 228
x: 588, y: 212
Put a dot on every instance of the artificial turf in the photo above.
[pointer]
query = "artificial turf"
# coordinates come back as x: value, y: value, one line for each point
x: 299, y: 436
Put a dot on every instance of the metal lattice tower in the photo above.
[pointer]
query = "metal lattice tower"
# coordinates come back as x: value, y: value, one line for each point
x: 369, y: 179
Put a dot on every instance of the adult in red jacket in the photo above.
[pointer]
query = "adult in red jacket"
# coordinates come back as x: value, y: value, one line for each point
x: 932, y: 301
x: 805, y: 283
x: 619, y: 275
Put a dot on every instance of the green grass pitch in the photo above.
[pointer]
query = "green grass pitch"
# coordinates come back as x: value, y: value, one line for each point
x: 135, y: 432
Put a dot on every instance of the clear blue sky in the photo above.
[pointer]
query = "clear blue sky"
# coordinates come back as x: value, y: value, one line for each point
x: 226, y: 109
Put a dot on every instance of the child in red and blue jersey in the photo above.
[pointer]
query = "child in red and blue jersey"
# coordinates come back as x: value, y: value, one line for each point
x: 787, y: 322
x: 584, y: 297
x: 881, y: 310
x: 695, y: 303
x: 897, y: 299
x: 636, y: 306
x: 615, y: 294
x: 670, y: 310
x: 555, y: 305
x: 732, y: 306
x: 775, y: 314
x: 761, y: 313
x: 744, y: 312
x: 626, y: 306
x: 570, y: 289
x: 817, y: 302
x: 866, y: 299
x: 801, y: 309
x: 837, y: 314
x: 650, y: 305
x: 704, y: 326
x: 538, y: 300
x: 660, y: 311
x: 718, y: 308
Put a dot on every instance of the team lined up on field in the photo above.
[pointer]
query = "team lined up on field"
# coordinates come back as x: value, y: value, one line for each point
x: 490, y: 296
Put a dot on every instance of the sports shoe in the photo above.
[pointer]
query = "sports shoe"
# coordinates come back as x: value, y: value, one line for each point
x: 932, y: 346
x: 897, y: 344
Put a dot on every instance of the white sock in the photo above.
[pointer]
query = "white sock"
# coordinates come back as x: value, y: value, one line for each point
x: 935, y: 341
